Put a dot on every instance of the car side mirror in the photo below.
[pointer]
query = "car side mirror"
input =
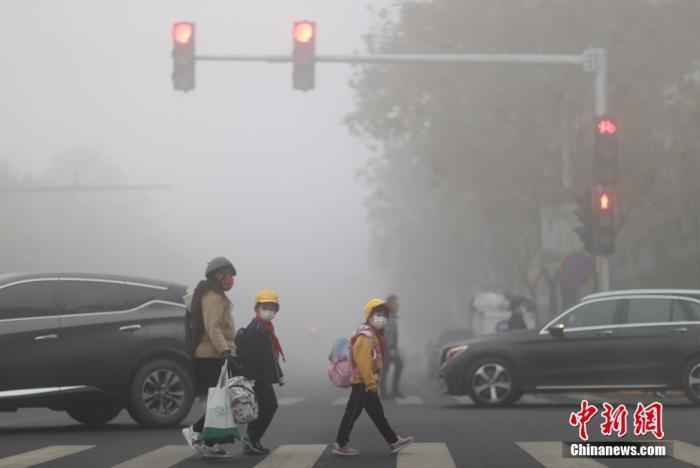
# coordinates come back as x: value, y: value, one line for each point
x: 557, y: 330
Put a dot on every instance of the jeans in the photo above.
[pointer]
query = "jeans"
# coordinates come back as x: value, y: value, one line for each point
x: 369, y: 401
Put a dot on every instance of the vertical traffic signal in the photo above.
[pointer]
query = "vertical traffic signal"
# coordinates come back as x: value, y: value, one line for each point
x: 304, y: 55
x: 584, y: 213
x: 183, y: 56
x: 605, y: 165
x: 604, y: 223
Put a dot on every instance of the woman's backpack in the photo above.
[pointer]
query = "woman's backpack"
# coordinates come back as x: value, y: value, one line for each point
x: 244, y: 406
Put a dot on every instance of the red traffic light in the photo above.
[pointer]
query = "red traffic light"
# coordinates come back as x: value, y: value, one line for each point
x: 604, y: 202
x: 607, y: 126
x: 183, y: 32
x: 304, y: 31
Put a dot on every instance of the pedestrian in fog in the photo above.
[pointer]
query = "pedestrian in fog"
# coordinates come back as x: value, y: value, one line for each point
x: 260, y: 352
x: 393, y: 358
x: 210, y: 332
x: 368, y: 348
x: 517, y: 312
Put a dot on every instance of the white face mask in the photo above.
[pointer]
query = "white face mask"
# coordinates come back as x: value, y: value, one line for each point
x: 267, y: 314
x: 379, y: 321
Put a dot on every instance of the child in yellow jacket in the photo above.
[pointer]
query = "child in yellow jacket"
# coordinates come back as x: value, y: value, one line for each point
x: 367, y: 349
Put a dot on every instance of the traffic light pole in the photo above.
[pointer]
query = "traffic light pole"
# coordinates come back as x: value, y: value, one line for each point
x: 600, y: 67
x: 592, y: 60
x: 528, y: 59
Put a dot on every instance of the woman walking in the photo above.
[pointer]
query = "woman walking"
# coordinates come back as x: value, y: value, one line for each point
x: 210, y: 332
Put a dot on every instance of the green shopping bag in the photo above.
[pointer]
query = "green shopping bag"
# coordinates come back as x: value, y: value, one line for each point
x: 219, y: 425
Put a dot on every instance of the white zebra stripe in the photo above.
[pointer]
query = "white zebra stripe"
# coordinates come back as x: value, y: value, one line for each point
x: 424, y: 455
x: 293, y: 456
x: 164, y: 457
x: 42, y: 455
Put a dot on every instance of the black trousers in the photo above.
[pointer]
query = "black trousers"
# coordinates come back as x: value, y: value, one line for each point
x: 370, y: 402
x: 267, y: 407
x: 397, y: 363
x: 206, y: 375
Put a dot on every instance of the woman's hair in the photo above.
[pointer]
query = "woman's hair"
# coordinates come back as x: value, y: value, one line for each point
x: 194, y: 321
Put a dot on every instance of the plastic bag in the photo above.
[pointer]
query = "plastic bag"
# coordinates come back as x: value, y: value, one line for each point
x: 219, y: 425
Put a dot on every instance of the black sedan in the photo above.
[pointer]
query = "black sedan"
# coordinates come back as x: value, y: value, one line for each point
x: 642, y: 339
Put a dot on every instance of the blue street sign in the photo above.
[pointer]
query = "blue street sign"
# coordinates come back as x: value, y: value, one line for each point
x: 576, y: 269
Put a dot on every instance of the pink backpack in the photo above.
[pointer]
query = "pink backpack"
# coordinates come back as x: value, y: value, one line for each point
x: 340, y: 368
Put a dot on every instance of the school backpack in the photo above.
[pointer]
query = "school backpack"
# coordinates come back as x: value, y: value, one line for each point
x: 340, y: 368
x: 244, y: 406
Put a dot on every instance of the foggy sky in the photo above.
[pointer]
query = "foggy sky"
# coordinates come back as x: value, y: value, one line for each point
x: 260, y: 173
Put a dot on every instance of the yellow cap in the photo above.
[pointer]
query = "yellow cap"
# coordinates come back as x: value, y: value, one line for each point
x: 372, y: 304
x: 267, y: 295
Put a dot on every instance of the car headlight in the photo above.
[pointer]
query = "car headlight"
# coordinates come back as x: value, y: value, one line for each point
x: 452, y: 352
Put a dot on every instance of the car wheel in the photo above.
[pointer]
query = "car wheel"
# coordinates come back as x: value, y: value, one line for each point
x: 160, y: 394
x: 95, y: 415
x: 691, y: 380
x: 492, y: 382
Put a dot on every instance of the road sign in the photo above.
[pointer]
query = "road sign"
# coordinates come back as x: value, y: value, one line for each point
x: 576, y: 269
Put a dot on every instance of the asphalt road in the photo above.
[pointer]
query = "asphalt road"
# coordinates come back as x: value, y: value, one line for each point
x: 448, y: 431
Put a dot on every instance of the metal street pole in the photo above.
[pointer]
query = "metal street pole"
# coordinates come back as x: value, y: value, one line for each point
x: 527, y: 59
x: 601, y: 109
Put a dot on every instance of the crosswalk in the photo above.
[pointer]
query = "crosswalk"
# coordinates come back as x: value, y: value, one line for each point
x: 547, y: 454
x: 419, y: 455
x: 42, y: 455
x: 408, y: 400
x: 528, y: 399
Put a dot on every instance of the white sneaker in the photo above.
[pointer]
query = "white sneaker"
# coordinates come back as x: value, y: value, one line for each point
x: 193, y: 440
x: 215, y: 451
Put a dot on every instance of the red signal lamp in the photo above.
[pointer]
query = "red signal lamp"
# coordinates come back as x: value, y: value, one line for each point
x: 604, y: 202
x: 607, y: 126
x: 183, y: 32
x: 304, y: 32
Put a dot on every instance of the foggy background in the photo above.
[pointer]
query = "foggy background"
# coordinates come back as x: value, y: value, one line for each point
x: 426, y: 181
x: 263, y: 175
